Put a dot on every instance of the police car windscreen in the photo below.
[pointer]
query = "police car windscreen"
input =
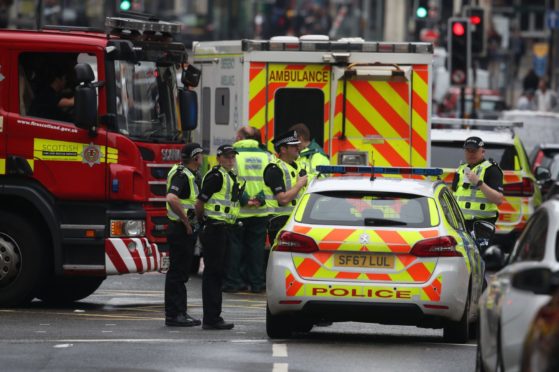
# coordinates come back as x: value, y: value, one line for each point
x: 358, y: 208
x: 451, y: 154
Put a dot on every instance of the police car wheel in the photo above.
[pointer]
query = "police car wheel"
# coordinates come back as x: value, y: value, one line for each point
x: 458, y: 332
x: 66, y: 290
x: 278, y: 326
x: 24, y: 260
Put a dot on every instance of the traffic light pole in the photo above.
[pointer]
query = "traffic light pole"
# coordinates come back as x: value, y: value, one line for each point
x: 463, y: 101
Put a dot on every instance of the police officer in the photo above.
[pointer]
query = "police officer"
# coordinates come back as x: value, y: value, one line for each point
x: 311, y: 153
x: 218, y: 204
x: 284, y: 181
x: 248, y: 239
x: 478, y: 184
x: 182, y: 191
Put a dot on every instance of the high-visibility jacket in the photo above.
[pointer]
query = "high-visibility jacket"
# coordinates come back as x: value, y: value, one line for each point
x: 290, y: 175
x: 223, y: 205
x: 310, y: 158
x: 251, y: 162
x: 187, y: 204
x: 471, y: 200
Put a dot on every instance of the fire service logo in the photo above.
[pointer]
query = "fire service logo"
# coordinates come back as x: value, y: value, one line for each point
x: 91, y: 154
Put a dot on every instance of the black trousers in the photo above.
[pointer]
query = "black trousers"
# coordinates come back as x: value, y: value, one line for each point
x: 181, y: 252
x: 216, y: 242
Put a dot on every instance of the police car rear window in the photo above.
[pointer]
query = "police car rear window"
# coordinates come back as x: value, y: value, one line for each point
x: 358, y: 208
x: 450, y: 154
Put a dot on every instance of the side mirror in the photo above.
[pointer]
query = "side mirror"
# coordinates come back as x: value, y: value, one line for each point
x: 494, y: 258
x: 542, y: 174
x: 188, y: 102
x: 483, y: 233
x: 191, y: 76
x: 539, y: 280
x: 85, y: 98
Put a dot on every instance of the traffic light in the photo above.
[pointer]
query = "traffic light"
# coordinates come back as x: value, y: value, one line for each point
x: 421, y: 9
x: 458, y: 50
x: 125, y: 5
x: 477, y: 23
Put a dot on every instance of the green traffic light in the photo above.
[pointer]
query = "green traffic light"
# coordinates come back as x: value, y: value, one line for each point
x: 125, y: 5
x: 421, y: 12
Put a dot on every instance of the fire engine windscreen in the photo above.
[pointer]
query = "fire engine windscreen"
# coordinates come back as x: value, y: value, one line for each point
x: 145, y: 101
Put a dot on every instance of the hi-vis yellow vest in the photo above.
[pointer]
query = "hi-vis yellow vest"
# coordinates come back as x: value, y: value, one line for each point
x: 251, y: 162
x: 290, y: 175
x: 191, y: 200
x: 472, y: 201
x: 220, y: 206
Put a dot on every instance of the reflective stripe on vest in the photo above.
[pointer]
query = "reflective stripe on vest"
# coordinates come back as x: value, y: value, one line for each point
x: 472, y: 201
x: 219, y: 206
x: 191, y: 200
x: 251, y: 163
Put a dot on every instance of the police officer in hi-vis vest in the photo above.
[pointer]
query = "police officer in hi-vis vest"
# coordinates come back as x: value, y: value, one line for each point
x: 284, y: 181
x: 478, y: 184
x: 218, y: 205
x: 246, y: 260
x: 182, y: 191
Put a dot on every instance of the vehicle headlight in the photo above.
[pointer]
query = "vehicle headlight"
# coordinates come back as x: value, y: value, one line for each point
x: 127, y: 228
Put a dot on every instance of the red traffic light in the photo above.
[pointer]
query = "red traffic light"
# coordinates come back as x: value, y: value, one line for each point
x: 475, y: 20
x: 458, y: 29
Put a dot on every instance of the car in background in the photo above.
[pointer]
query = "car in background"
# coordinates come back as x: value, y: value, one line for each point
x: 521, y: 194
x: 548, y: 177
x: 541, y: 346
x: 542, y: 155
x: 379, y: 250
x: 491, y: 104
x: 505, y: 312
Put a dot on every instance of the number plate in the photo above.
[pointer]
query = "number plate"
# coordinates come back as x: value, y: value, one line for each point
x: 377, y: 261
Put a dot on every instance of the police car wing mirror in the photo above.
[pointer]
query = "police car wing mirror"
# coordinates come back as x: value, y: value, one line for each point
x: 483, y: 233
x: 188, y: 103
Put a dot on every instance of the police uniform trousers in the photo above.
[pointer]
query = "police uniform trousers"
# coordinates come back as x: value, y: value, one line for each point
x: 216, y: 242
x: 246, y: 259
x: 181, y: 253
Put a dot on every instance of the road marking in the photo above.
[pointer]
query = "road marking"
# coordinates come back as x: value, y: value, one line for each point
x: 448, y: 344
x: 61, y: 346
x: 110, y: 325
x: 40, y: 331
x: 106, y: 331
x: 44, y: 324
x: 280, y: 367
x: 279, y: 350
x: 248, y: 341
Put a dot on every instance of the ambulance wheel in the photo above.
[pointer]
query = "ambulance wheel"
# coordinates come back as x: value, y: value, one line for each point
x: 278, y: 326
x: 23, y: 254
x: 69, y: 289
x: 459, y: 332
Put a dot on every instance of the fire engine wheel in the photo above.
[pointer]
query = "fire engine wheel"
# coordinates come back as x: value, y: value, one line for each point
x: 22, y: 260
x: 459, y: 332
x: 69, y: 289
x: 278, y: 326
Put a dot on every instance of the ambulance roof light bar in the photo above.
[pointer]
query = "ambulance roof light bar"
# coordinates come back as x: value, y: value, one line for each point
x: 118, y: 24
x: 477, y: 122
x: 343, y: 169
x: 292, y: 43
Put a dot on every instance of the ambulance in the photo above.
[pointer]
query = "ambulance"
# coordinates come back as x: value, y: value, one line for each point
x: 365, y: 102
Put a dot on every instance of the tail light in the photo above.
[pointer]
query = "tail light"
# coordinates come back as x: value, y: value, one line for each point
x: 292, y: 242
x: 441, y: 246
x: 524, y: 188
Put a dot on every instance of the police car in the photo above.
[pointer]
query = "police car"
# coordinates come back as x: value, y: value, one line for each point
x: 380, y: 250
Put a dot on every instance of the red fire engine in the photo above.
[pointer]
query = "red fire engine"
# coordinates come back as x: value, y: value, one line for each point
x: 90, y: 124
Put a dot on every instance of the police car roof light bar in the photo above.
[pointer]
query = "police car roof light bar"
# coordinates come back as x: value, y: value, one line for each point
x: 477, y: 122
x: 343, y: 169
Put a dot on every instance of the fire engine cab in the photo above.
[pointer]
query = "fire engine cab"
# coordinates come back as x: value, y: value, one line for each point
x: 364, y: 102
x: 90, y: 124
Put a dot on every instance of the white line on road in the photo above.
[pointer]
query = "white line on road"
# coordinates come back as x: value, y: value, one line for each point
x: 280, y: 367
x: 279, y: 350
x: 61, y: 346
x: 106, y: 331
x: 40, y: 331
x: 44, y: 324
x: 445, y: 344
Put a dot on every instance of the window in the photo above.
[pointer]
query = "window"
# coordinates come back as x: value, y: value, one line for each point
x: 206, y: 117
x: 531, y: 244
x: 447, y: 209
x: 449, y: 154
x: 47, y: 84
x: 222, y: 106
x: 357, y: 208
x: 459, y: 217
